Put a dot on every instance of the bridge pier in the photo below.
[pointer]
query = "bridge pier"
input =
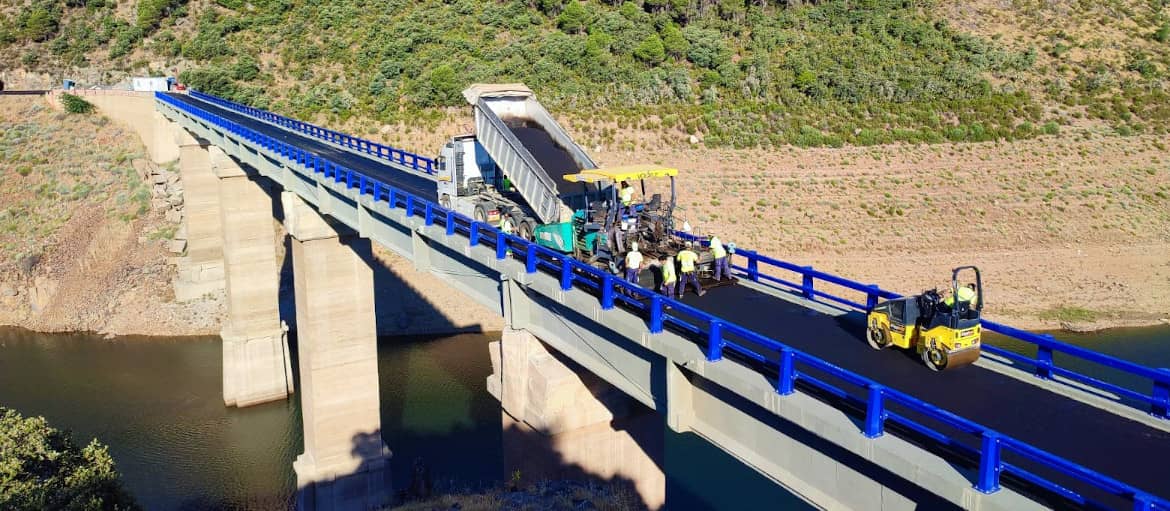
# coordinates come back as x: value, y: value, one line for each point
x: 161, y: 146
x: 345, y: 464
x: 256, y: 365
x: 201, y: 271
x: 561, y: 421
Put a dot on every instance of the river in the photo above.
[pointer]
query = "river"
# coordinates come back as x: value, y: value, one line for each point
x: 156, y: 402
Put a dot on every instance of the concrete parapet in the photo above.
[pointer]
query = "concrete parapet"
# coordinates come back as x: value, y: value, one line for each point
x: 252, y: 282
x: 345, y: 463
x: 561, y: 421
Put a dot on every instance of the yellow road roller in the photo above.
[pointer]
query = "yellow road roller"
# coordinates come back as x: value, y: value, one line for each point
x: 945, y: 331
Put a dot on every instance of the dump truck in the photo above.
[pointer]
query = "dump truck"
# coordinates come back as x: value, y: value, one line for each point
x: 512, y: 164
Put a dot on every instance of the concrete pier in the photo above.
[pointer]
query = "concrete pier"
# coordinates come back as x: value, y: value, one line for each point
x: 201, y: 271
x: 345, y: 464
x: 161, y: 147
x: 561, y: 421
x: 256, y: 365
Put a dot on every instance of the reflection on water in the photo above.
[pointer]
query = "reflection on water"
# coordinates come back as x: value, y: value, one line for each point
x: 157, y: 404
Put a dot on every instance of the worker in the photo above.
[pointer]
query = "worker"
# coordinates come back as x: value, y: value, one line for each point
x: 722, y: 262
x: 507, y: 226
x: 966, y: 294
x: 669, y: 278
x: 633, y: 263
x: 686, y: 263
x: 506, y: 185
x: 626, y: 193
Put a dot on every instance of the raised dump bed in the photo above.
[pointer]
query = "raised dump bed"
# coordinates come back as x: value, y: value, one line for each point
x: 528, y: 145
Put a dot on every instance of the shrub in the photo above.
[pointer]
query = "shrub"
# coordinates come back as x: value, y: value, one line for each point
x: 76, y: 104
x: 574, y: 18
x: 650, y: 50
x: 42, y: 468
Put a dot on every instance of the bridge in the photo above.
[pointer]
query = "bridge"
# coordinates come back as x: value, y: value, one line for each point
x: 773, y: 371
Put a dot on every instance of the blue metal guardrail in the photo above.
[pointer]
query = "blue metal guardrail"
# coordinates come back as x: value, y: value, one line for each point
x: 1157, y: 400
x: 715, y: 331
x: 380, y: 151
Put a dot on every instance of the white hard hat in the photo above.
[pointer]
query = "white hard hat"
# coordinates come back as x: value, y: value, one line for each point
x: 634, y: 246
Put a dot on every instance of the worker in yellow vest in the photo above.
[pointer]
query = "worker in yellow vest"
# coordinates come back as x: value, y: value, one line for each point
x: 722, y: 262
x: 507, y: 226
x: 626, y: 194
x: 686, y: 266
x: 966, y: 294
x: 669, y: 278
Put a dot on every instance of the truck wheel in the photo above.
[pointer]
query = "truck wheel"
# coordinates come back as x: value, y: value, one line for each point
x: 480, y: 214
x: 934, y: 358
x: 877, y: 337
x: 445, y: 202
x: 526, y: 229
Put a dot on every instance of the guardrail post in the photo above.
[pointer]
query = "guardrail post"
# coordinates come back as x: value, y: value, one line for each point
x: 787, y: 378
x: 1161, y: 405
x: 875, y: 411
x: 656, y: 313
x: 990, y: 464
x: 392, y: 199
x: 473, y: 236
x: 1143, y: 502
x: 409, y: 206
x: 872, y: 297
x: 753, y: 268
x: 607, y: 292
x: 430, y: 214
x: 501, y: 245
x: 1044, y: 360
x: 530, y: 259
x: 450, y: 223
x: 566, y: 274
x: 806, y: 283
x: 715, y: 341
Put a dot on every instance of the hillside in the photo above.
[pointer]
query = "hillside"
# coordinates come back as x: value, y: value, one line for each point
x: 739, y: 74
x: 82, y: 236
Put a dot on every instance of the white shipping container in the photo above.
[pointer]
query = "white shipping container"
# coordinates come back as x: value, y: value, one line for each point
x: 150, y: 83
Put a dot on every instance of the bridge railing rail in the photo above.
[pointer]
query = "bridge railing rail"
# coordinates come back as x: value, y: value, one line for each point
x: 718, y: 336
x: 1043, y: 363
x: 377, y: 150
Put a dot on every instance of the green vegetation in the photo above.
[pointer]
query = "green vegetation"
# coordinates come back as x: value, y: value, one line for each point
x: 739, y: 73
x: 42, y: 468
x: 76, y: 104
x: 1069, y: 314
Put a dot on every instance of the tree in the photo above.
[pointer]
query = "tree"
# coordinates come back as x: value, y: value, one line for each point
x: 41, y: 468
x: 574, y: 18
x: 41, y: 21
x: 673, y: 41
x: 650, y: 50
x: 445, y: 86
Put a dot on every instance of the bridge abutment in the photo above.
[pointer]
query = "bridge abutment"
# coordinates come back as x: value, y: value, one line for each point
x: 561, y: 421
x: 345, y: 464
x: 201, y: 271
x: 256, y: 365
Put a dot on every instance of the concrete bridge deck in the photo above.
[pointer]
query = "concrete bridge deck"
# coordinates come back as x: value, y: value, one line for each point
x: 1061, y: 423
